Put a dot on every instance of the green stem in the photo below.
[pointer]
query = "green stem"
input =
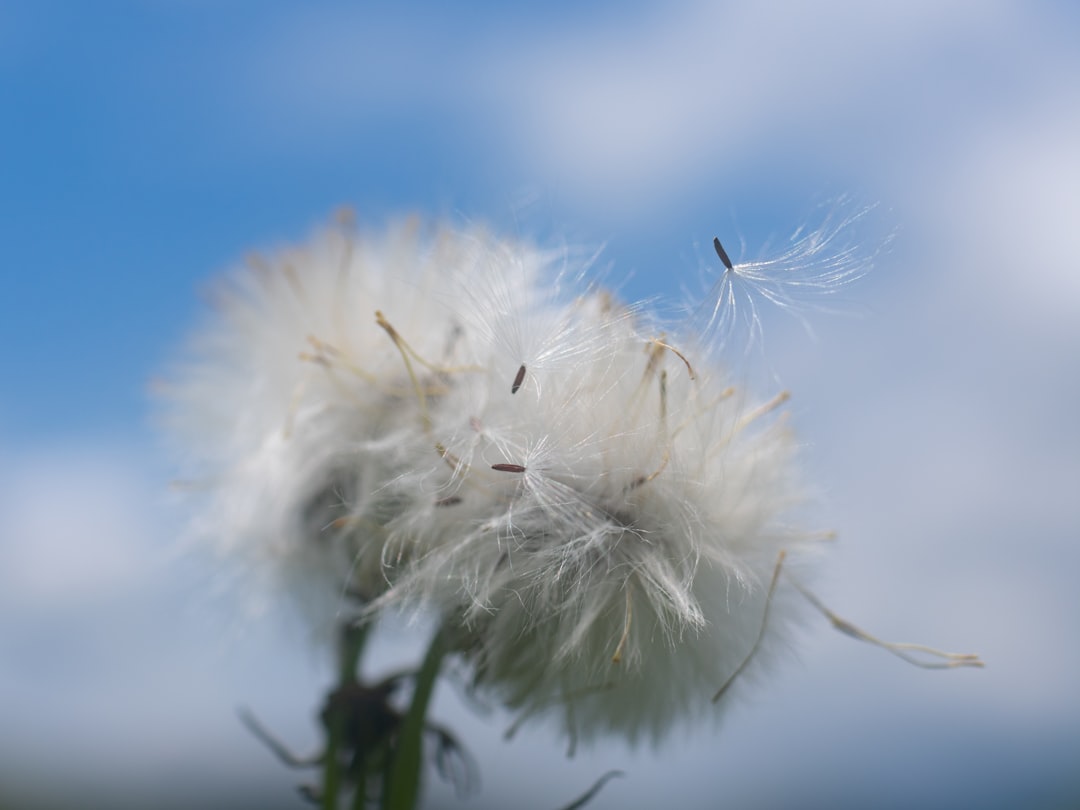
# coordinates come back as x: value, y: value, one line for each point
x: 352, y: 645
x: 354, y: 636
x: 359, y: 801
x: 403, y: 788
x: 332, y: 762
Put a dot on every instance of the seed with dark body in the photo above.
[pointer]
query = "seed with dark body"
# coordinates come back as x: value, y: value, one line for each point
x: 518, y: 379
x: 722, y: 253
x: 512, y: 468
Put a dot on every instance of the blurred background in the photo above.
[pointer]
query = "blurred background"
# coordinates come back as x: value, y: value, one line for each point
x: 147, y: 146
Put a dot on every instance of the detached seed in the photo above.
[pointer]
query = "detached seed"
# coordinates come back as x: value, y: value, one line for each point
x: 722, y: 253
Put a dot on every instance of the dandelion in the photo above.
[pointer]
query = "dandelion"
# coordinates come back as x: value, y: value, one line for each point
x: 465, y: 427
x: 616, y: 534
x: 296, y: 420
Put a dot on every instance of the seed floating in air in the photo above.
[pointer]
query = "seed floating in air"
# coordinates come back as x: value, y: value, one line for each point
x: 722, y: 253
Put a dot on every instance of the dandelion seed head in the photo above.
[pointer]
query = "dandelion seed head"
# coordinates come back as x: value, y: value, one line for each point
x: 292, y: 407
x: 599, y: 531
x: 546, y: 585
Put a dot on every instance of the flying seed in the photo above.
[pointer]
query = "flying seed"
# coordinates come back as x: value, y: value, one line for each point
x: 451, y: 500
x: 722, y: 253
x: 512, y: 468
x: 518, y: 380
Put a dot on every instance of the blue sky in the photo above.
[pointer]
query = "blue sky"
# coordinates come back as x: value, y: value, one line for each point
x: 147, y: 146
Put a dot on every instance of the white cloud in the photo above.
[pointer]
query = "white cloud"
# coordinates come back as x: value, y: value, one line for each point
x: 1005, y: 217
x: 948, y: 109
x: 119, y: 670
x: 640, y: 108
x: 74, y: 525
x: 626, y: 111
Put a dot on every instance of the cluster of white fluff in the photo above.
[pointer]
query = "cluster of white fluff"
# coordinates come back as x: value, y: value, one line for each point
x: 461, y: 425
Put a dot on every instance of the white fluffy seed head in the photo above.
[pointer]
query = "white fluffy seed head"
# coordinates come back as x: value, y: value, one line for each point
x: 295, y: 415
x: 587, y: 505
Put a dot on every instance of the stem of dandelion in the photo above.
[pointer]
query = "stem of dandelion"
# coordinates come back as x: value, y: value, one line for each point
x: 403, y: 788
x: 354, y: 635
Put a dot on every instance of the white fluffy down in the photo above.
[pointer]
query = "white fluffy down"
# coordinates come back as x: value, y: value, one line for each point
x: 584, y: 502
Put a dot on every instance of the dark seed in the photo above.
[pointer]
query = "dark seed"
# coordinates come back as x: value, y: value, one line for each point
x: 514, y: 468
x: 518, y: 380
x: 722, y: 253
